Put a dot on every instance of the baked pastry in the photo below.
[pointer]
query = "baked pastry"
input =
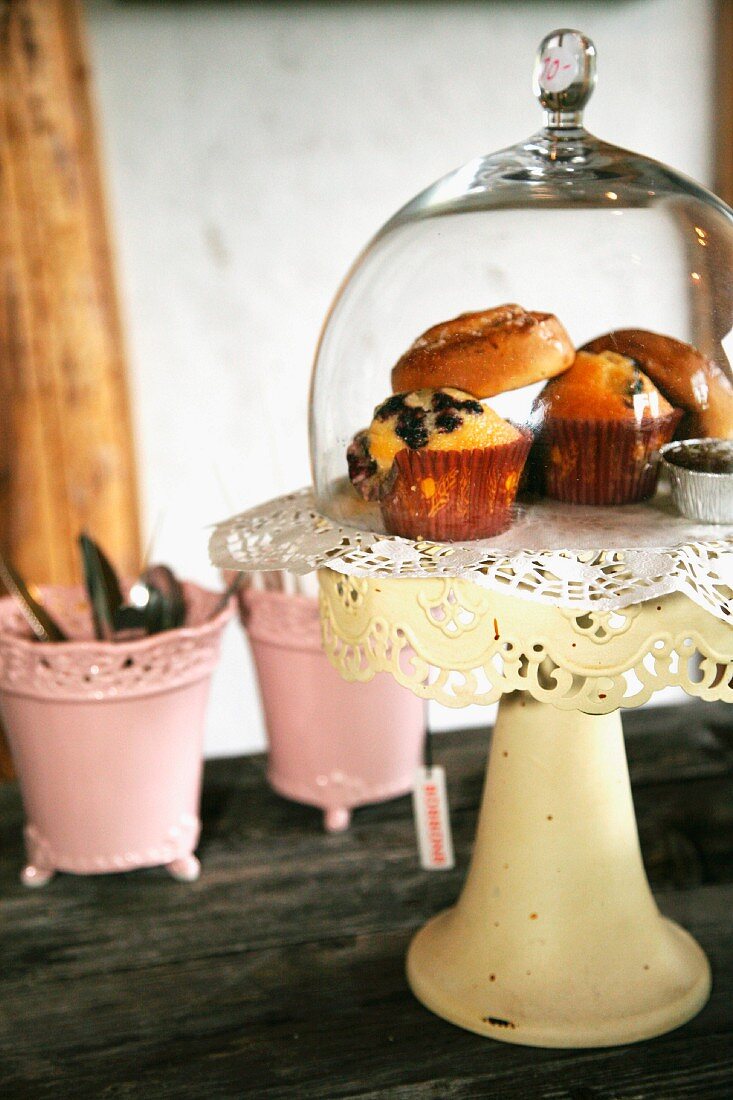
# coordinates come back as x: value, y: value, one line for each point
x: 686, y: 378
x: 600, y: 426
x: 449, y: 466
x: 486, y: 353
x: 363, y: 470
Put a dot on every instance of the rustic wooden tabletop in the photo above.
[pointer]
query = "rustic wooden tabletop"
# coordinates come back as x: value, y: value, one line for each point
x: 280, y: 973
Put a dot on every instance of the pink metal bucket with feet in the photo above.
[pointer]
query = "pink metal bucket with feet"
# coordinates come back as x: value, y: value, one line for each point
x: 332, y: 744
x: 107, y: 738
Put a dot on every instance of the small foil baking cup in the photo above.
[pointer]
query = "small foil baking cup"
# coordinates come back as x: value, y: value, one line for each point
x: 452, y: 496
x: 602, y: 462
x: 699, y: 494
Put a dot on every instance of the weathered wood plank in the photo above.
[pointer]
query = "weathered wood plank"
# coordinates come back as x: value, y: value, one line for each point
x: 326, y: 1018
x: 256, y: 847
x: 723, y: 91
x: 66, y: 455
x: 281, y: 973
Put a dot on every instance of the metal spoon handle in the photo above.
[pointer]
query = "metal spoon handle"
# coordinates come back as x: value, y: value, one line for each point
x: 233, y: 586
x: 45, y: 628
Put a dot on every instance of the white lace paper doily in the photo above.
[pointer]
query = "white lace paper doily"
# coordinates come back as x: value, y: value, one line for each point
x: 291, y: 533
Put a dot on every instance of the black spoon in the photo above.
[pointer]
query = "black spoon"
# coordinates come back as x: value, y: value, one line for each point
x: 103, y: 588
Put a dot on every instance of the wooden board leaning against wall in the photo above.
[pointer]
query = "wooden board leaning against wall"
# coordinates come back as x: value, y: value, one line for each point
x: 66, y: 446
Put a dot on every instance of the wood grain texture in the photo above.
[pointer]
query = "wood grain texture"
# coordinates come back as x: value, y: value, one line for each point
x: 708, y: 290
x: 66, y: 452
x: 723, y: 103
x: 281, y: 973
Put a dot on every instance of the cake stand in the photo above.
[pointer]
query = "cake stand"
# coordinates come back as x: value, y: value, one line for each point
x: 556, y: 939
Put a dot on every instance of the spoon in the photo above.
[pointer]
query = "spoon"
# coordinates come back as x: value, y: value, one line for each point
x: 156, y: 601
x: 158, y: 595
x: 45, y: 628
x: 231, y: 588
x: 103, y: 588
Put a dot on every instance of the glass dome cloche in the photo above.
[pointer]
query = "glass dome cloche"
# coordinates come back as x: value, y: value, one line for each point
x: 519, y: 352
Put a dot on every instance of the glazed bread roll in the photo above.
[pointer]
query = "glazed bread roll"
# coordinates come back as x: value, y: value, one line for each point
x: 682, y: 374
x: 486, y: 353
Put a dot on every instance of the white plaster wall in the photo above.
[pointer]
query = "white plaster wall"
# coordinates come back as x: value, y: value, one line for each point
x: 253, y: 149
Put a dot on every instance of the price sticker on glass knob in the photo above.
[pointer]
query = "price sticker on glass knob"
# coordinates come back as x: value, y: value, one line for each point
x: 559, y: 67
x: 432, y: 820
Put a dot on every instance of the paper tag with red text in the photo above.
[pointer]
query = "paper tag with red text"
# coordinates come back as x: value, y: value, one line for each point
x: 559, y: 66
x: 432, y: 820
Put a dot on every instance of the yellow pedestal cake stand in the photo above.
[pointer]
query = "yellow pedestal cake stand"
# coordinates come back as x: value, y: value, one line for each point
x: 556, y: 939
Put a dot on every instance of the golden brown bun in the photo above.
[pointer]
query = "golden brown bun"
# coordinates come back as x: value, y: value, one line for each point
x: 686, y: 378
x: 486, y: 353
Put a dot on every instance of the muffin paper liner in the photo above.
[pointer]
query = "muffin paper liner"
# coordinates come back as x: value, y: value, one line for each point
x: 449, y: 496
x: 602, y: 461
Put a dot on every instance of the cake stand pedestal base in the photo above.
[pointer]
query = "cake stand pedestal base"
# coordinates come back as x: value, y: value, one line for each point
x: 556, y: 940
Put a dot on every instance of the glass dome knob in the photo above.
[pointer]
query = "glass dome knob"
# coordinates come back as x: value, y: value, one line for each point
x: 564, y: 77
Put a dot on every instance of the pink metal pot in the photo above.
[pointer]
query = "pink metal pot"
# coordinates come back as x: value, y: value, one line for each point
x: 332, y: 744
x: 107, y: 739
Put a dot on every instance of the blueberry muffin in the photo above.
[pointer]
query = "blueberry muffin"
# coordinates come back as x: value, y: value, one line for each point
x: 443, y: 465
